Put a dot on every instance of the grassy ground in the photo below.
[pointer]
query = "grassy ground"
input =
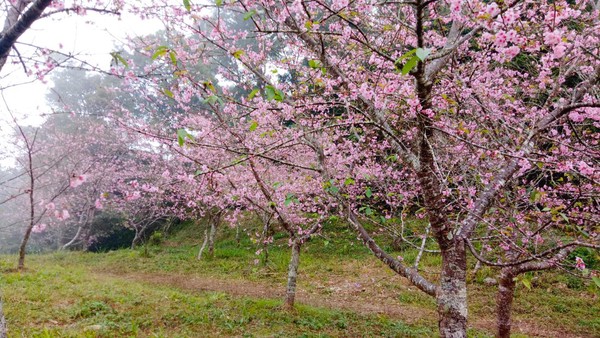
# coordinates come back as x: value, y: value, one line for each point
x: 164, y: 291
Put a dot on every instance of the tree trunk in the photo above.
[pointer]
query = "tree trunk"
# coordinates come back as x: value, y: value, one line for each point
x: 23, y: 247
x: 504, y: 301
x: 136, y: 238
x: 3, y: 328
x: 263, y: 239
x: 237, y: 234
x: 452, y: 293
x: 73, y: 240
x: 290, y: 294
x: 215, y: 221
x: 203, y: 244
x: 422, y: 248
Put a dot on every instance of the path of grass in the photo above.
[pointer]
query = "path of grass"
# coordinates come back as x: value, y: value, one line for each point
x: 69, y: 301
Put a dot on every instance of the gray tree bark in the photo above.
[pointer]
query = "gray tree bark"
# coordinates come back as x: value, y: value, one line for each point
x: 290, y: 295
x: 452, y: 292
x: 504, y: 301
x: 75, y: 238
x: 203, y: 246
x: 215, y: 220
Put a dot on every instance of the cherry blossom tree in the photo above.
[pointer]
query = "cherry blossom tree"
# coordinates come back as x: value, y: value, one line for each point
x: 449, y: 106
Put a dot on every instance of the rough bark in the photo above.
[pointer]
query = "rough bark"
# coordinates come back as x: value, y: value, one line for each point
x: 17, y: 23
x: 504, y: 301
x: 452, y: 293
x: 506, y: 283
x: 290, y: 294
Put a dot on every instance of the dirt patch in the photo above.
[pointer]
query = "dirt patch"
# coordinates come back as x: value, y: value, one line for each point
x: 365, y: 295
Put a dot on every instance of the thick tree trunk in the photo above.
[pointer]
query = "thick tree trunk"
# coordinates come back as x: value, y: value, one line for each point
x: 290, y: 294
x: 504, y: 301
x: 452, y: 293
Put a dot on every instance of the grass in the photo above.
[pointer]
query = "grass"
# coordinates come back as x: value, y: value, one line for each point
x: 68, y: 300
x: 150, y: 293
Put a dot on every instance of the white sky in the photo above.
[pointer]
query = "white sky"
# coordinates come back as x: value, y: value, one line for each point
x: 92, y: 37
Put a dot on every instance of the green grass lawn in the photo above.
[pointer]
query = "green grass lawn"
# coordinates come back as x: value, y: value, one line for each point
x: 163, y: 291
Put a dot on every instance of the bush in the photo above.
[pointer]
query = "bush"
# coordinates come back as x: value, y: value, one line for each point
x: 156, y: 238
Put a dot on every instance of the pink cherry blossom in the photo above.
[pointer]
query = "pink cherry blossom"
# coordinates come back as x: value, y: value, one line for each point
x: 38, y: 228
x: 77, y: 180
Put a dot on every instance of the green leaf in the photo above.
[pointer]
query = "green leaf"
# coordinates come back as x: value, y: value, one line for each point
x: 422, y: 53
x: 392, y: 158
x: 527, y: 283
x: 168, y: 93
x: 118, y: 58
x: 252, y: 94
x: 596, y: 280
x: 219, y: 2
x: 274, y: 93
x: 368, y: 211
x: 187, y: 5
x: 409, y: 65
x: 249, y: 14
x: 212, y: 99
x: 368, y: 192
x: 270, y: 90
x: 279, y: 95
x: 173, y: 58
x: 277, y: 185
x: 406, y: 56
x: 160, y: 51
x: 534, y: 196
x: 253, y: 125
x: 314, y: 64
x: 238, y: 54
x: 181, y: 135
x: 564, y: 217
x: 349, y: 181
x: 290, y: 198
